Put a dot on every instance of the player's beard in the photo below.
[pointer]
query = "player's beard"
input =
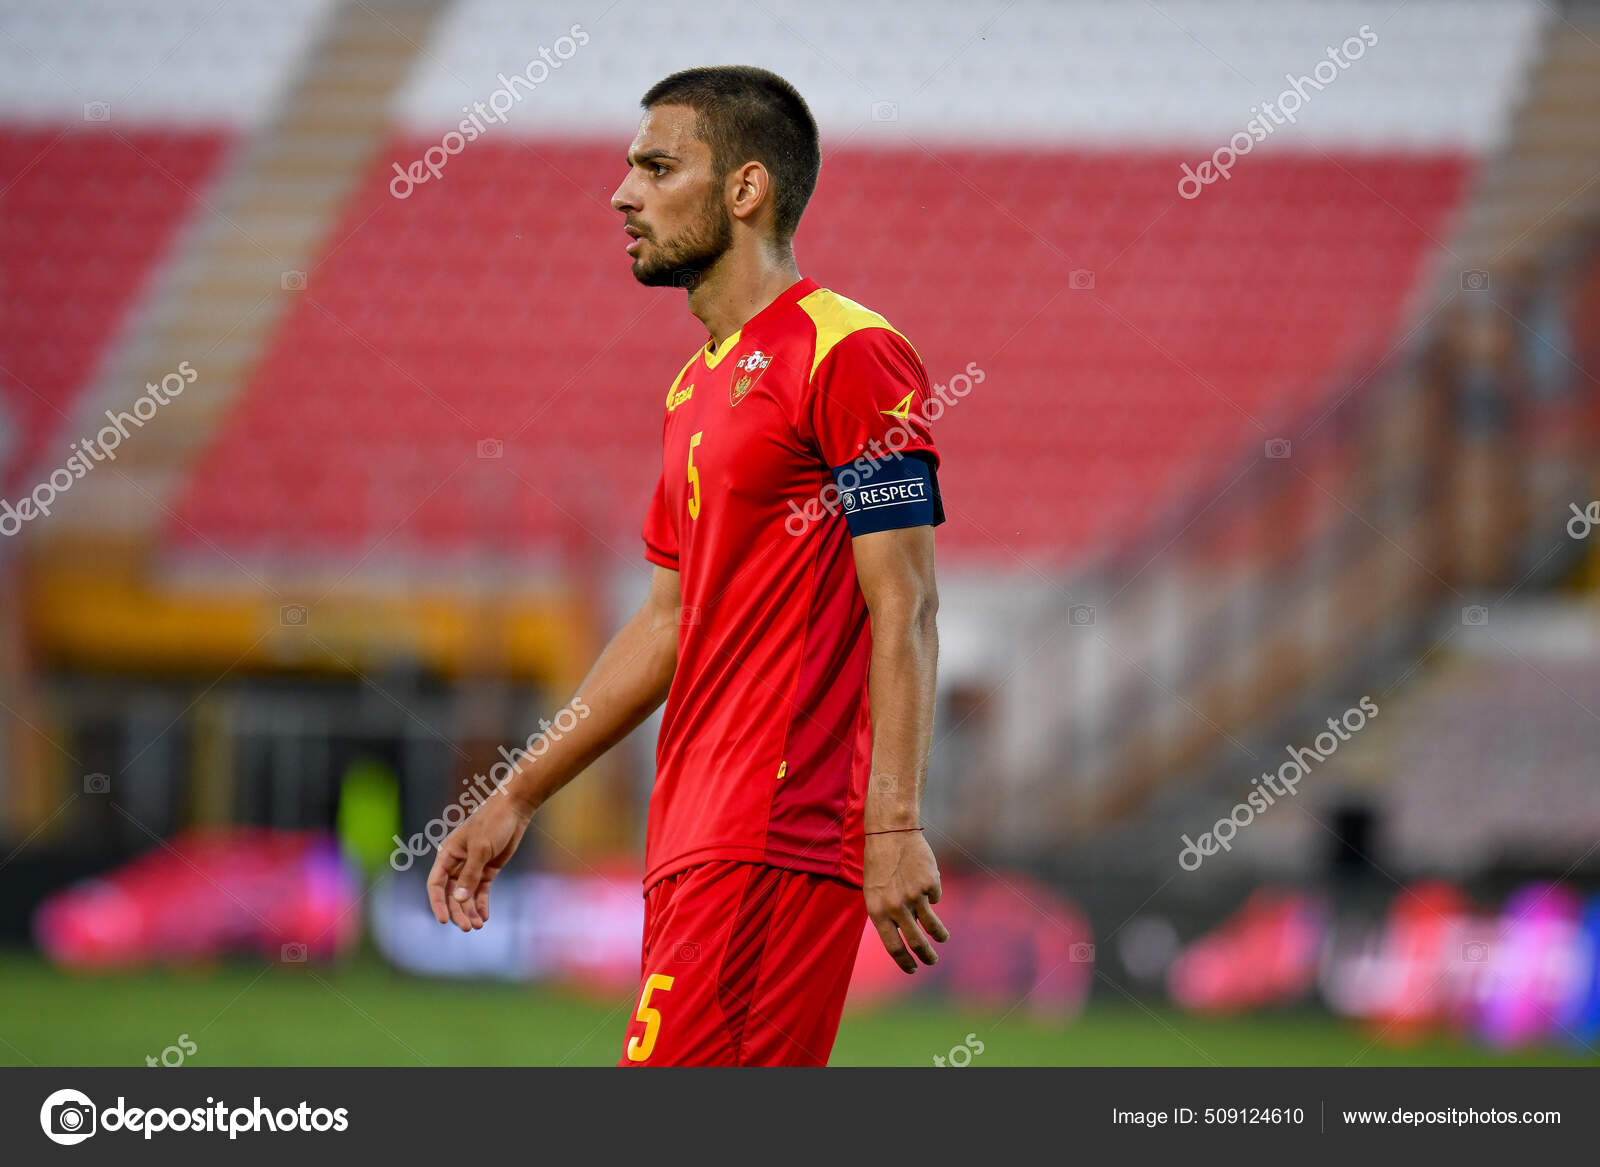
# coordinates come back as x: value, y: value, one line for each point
x: 681, y: 261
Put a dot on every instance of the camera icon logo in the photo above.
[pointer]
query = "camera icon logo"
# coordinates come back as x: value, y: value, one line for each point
x: 97, y: 111
x: 293, y: 953
x: 1584, y: 521
x: 1474, y: 280
x: 1475, y: 615
x: 1080, y: 615
x: 490, y: 448
x: 688, y: 952
x: 1475, y: 952
x: 885, y: 111
x: 292, y: 615
x: 68, y: 1117
x: 1277, y: 448
x: 97, y: 784
x: 293, y: 281
x: 689, y: 614
x: 1080, y: 279
x: 1081, y: 953
x: 685, y: 278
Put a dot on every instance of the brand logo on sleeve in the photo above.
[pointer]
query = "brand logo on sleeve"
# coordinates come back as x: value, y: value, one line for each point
x: 676, y: 399
x: 902, y: 411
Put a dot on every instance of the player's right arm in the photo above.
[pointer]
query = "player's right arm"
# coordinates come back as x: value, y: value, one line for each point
x: 628, y: 682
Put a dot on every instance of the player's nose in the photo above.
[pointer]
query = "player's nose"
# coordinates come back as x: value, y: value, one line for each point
x: 623, y: 200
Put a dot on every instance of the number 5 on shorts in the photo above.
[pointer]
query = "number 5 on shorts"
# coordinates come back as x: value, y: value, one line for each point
x: 639, y: 1049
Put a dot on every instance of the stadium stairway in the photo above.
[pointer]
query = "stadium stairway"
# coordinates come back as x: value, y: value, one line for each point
x: 1547, y: 181
x: 239, y: 266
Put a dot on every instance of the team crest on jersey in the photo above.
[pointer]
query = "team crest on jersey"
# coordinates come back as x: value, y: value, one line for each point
x: 751, y: 367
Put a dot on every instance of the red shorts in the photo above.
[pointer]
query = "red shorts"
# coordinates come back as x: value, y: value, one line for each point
x: 743, y: 965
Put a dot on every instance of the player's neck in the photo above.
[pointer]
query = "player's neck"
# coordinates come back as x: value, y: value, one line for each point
x: 738, y: 287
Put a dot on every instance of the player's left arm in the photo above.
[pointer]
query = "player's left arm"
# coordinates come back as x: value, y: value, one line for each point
x: 868, y: 416
x: 901, y: 879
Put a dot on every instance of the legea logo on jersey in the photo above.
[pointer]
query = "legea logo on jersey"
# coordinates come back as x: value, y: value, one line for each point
x: 752, y: 366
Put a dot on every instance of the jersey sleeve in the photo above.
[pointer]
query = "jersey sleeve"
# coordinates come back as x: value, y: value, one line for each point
x: 869, y: 422
x: 660, y: 533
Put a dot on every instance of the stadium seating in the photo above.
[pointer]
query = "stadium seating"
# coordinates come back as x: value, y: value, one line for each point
x: 493, y: 304
x: 84, y: 219
x: 1497, y: 759
x: 497, y: 306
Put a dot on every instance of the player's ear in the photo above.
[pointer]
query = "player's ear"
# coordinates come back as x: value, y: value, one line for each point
x: 749, y: 189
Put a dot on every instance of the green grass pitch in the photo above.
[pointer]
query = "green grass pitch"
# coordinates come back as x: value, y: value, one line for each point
x: 364, y: 1013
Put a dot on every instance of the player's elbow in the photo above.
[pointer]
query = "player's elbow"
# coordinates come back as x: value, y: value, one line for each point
x: 663, y: 652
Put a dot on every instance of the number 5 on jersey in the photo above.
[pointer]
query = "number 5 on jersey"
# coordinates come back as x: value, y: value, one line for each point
x: 640, y: 1048
x: 694, y: 478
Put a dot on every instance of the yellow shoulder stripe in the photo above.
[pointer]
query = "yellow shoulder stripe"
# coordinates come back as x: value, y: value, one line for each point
x: 836, y: 317
x: 673, y: 388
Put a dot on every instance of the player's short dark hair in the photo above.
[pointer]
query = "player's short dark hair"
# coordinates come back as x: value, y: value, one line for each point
x: 746, y: 114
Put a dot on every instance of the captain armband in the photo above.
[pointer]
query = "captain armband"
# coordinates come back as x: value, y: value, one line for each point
x: 890, y: 493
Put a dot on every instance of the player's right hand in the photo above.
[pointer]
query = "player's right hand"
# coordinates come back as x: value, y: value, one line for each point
x: 471, y: 856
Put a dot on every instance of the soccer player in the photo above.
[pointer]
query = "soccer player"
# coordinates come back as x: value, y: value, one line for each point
x: 790, y: 622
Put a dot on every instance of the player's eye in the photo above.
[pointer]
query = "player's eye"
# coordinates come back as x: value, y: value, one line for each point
x: 658, y: 168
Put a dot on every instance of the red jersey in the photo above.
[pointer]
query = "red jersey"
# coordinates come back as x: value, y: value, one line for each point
x: 808, y: 415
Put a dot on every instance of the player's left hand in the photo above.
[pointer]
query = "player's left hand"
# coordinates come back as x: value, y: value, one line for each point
x: 901, y: 881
